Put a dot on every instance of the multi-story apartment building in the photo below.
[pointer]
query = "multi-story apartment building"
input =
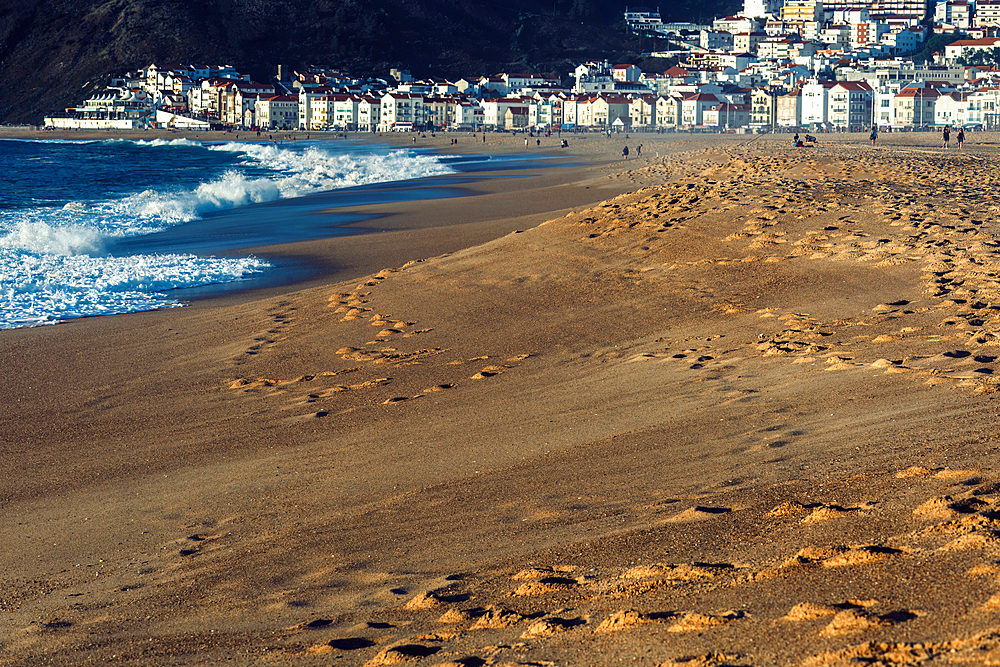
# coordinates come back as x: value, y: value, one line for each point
x: 763, y: 108
x: 914, y: 107
x: 495, y: 111
x: 987, y: 13
x: 789, y: 109
x: 881, y: 9
x: 369, y: 113
x: 761, y: 8
x: 643, y: 110
x: 401, y: 110
x: 815, y: 102
x: 851, y: 104
x: 440, y: 111
x: 280, y: 112
x: 802, y: 10
x: 954, y: 12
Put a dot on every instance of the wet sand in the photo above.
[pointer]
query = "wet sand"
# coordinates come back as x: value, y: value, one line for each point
x: 729, y: 403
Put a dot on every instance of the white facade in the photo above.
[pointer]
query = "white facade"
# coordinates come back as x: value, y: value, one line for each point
x: 954, y: 12
x: 951, y: 110
x: 469, y: 116
x: 401, y: 110
x: 170, y: 120
x: 851, y: 105
x: 593, y: 78
x: 984, y: 107
x: 758, y: 9
x: 987, y: 13
x: 92, y: 124
x: 815, y: 103
x: 369, y: 113
x: 495, y: 111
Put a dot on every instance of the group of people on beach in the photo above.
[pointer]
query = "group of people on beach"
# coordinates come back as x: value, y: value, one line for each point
x: 946, y: 137
x: 638, y: 152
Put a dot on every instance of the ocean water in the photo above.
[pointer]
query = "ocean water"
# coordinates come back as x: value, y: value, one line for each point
x: 73, y: 215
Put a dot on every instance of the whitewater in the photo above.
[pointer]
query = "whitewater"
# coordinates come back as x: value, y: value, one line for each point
x: 64, y: 204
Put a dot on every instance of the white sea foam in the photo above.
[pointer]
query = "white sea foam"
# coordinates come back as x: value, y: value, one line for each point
x: 231, y: 190
x: 315, y: 170
x: 50, y: 268
x: 44, y: 289
x: 167, y: 142
x: 41, y: 237
x: 294, y: 173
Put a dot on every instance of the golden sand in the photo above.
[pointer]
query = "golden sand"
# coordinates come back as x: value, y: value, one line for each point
x: 731, y: 403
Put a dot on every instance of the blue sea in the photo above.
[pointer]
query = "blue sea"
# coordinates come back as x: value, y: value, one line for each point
x: 101, y: 227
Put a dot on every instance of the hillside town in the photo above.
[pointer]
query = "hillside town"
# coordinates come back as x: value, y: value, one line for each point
x: 778, y: 65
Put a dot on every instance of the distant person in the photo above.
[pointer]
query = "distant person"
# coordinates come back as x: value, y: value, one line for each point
x: 625, y: 153
x: 945, y: 136
x: 638, y: 151
x: 874, y: 135
x: 960, y: 137
x: 795, y: 139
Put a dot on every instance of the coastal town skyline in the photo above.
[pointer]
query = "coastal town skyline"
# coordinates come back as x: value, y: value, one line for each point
x: 801, y: 63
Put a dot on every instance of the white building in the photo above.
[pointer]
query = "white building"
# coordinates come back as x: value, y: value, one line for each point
x: 593, y: 77
x: 952, y: 109
x: 369, y: 113
x: 815, y: 101
x: 401, y: 110
x: 851, y: 105
x: 987, y: 13
x: 758, y: 9
x: 735, y: 24
x: 495, y: 111
x: 984, y: 107
x: 954, y: 12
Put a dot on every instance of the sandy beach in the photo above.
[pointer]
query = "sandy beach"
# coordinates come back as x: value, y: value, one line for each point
x: 727, y: 403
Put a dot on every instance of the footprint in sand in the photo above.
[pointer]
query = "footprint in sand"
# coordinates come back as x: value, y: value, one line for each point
x: 547, y: 627
x: 698, y: 513
x: 399, y: 399
x: 849, y: 621
x: 489, y: 372
x: 696, y: 622
x: 630, y: 618
x: 402, y: 653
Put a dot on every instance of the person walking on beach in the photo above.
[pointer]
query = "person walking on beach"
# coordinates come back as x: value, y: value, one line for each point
x: 960, y: 137
x: 874, y: 135
x: 638, y: 150
x: 945, y: 136
x: 625, y: 152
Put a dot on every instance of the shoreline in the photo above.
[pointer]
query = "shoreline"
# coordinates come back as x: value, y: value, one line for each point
x: 730, y: 403
x: 381, y: 218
